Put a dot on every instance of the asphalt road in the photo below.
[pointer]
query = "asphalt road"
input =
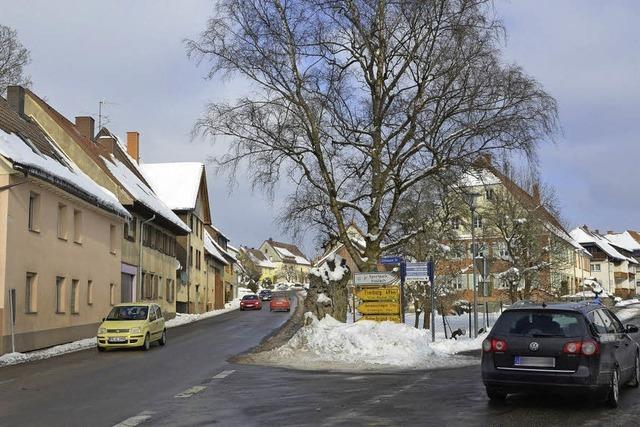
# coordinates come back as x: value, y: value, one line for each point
x: 189, y: 383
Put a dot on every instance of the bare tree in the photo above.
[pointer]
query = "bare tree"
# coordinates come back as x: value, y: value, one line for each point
x: 287, y: 273
x: 358, y: 101
x: 13, y: 58
x: 522, y: 217
x: 251, y: 272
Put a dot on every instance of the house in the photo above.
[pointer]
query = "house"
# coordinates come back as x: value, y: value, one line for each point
x: 229, y: 280
x: 484, y: 181
x: 60, y: 250
x: 148, y: 263
x: 183, y: 188
x: 338, y: 248
x: 612, y: 263
x: 260, y: 261
x: 291, y: 265
x: 238, y: 271
x: 216, y: 263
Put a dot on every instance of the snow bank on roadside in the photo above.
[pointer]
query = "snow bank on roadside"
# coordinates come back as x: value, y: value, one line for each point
x: 365, y: 345
x: 183, y: 319
x: 626, y: 302
x: 84, y: 344
x: 15, y: 358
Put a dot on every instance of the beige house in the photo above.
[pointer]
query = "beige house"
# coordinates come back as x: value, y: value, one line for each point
x: 291, y: 265
x: 183, y: 188
x: 60, y: 249
x: 149, y: 263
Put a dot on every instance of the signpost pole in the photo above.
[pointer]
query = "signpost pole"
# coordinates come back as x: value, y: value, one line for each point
x: 475, y: 283
x: 433, y: 299
x: 353, y: 299
x: 403, y: 273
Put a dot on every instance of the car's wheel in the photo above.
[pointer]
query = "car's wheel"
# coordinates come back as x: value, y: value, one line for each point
x: 288, y: 310
x: 496, y: 395
x: 163, y: 338
x: 146, y: 344
x: 635, y: 380
x: 614, y: 389
x: 101, y: 349
x: 241, y: 309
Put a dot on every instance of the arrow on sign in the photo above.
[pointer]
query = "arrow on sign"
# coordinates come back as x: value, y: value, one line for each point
x: 378, y: 294
x: 374, y: 278
x: 379, y: 307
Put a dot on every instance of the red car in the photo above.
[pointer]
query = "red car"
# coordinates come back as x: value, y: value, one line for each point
x: 250, y: 302
x: 280, y: 304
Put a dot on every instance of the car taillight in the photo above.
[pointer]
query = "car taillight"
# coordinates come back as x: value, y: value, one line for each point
x: 494, y: 345
x: 588, y: 347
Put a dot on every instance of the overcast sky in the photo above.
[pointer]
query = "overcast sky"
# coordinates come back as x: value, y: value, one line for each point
x: 130, y: 54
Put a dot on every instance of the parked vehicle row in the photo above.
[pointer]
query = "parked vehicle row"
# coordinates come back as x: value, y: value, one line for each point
x: 277, y: 301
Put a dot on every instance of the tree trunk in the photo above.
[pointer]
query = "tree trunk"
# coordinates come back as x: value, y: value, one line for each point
x: 416, y: 323
x: 336, y: 290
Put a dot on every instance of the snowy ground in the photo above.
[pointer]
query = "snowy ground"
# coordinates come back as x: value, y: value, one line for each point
x: 179, y: 320
x: 367, y: 346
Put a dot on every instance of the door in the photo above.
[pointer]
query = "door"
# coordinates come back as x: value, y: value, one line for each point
x: 624, y: 345
x: 610, y: 353
x: 153, y: 323
x: 126, y: 289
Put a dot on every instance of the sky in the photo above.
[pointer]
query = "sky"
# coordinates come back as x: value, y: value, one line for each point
x: 131, y: 54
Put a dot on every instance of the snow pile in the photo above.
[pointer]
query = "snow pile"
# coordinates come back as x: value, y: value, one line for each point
x: 177, y: 184
x: 364, y: 345
x: 626, y: 302
x: 326, y: 274
x: 15, y: 358
x: 183, y: 318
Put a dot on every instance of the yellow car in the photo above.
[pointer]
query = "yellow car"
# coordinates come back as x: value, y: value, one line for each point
x: 132, y: 325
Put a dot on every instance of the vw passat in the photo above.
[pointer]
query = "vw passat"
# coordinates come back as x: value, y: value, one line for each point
x: 573, y: 348
x: 132, y: 325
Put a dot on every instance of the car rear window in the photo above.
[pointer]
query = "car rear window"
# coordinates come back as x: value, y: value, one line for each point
x: 540, y: 323
x: 250, y: 297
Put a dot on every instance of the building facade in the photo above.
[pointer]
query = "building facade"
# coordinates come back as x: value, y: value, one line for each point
x: 290, y: 264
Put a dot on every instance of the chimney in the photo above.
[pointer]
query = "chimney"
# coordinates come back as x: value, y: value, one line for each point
x: 107, y: 142
x: 15, y: 98
x: 133, y: 145
x: 536, y: 193
x: 86, y: 126
x: 611, y: 232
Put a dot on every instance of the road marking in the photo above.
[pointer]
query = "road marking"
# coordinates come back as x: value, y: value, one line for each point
x: 223, y: 374
x: 136, y: 419
x: 7, y: 381
x: 190, y: 391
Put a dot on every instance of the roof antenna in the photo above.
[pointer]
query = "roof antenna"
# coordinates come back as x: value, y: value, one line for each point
x: 544, y: 304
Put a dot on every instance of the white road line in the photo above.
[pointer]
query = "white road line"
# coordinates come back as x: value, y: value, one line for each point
x: 190, y: 392
x: 136, y: 419
x: 223, y: 374
x: 7, y: 381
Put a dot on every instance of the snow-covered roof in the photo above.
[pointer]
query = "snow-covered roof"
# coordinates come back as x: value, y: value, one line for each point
x: 211, y: 247
x: 258, y: 258
x: 141, y: 192
x: 288, y: 252
x: 217, y: 230
x: 177, y: 184
x: 478, y: 177
x: 285, y: 253
x: 584, y: 237
x: 59, y: 170
x: 624, y: 240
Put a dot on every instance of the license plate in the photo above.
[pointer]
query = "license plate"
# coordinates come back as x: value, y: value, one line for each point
x: 535, y: 362
x: 118, y: 339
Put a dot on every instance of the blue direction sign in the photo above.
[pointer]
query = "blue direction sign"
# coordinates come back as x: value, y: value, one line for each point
x: 418, y: 271
x: 393, y: 259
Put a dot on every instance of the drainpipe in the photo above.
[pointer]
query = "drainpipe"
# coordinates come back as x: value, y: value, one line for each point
x: 140, y: 255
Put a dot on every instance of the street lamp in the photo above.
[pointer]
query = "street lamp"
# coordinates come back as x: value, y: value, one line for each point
x: 471, y: 201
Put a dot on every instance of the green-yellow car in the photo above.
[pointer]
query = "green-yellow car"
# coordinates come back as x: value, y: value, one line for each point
x: 132, y: 325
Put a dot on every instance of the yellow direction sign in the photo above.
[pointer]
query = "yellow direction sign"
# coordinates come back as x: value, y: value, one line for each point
x: 381, y: 317
x: 378, y: 294
x: 379, y: 307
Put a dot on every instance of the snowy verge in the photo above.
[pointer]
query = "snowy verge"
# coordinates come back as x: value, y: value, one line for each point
x: 84, y: 344
x: 366, y: 346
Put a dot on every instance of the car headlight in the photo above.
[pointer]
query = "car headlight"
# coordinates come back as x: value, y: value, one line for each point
x: 102, y: 330
x: 135, y: 330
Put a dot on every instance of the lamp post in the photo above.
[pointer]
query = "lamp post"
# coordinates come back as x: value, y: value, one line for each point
x: 471, y: 198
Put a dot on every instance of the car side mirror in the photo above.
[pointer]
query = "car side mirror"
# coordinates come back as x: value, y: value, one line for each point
x: 631, y: 329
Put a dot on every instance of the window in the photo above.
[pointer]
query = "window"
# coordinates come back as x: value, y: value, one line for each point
x: 112, y: 294
x: 113, y: 242
x: 75, y: 297
x: 169, y: 290
x: 34, y: 209
x: 152, y: 314
x: 147, y: 292
x: 159, y: 288
x: 455, y: 223
x: 477, y: 221
x: 130, y: 229
x: 191, y: 256
x: 77, y: 226
x: 62, y: 221
x: 602, y: 322
x: 595, y: 267
x: 31, y: 294
x: 60, y: 291
x: 90, y: 292
x: 488, y: 193
x: 197, y: 259
x: 146, y: 235
x: 158, y: 313
x: 155, y: 287
x: 191, y: 223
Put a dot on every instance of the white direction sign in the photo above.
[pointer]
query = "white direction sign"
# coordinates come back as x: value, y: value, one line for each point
x: 417, y: 271
x: 374, y: 278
